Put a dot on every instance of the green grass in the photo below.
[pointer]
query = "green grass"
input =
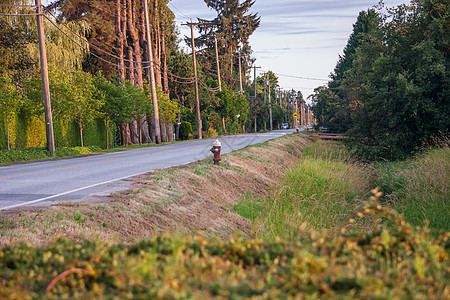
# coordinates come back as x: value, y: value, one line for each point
x: 418, y: 188
x: 328, y: 187
x: 321, y: 193
x: 249, y: 207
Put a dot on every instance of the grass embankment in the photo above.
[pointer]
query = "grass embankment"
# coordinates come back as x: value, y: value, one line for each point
x: 186, y: 199
x: 318, y: 238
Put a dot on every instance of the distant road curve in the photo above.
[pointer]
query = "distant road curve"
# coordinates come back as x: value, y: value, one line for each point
x: 75, y: 179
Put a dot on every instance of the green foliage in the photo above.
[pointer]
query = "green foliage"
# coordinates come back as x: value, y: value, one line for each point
x: 392, y: 89
x: 121, y: 101
x: 16, y: 35
x: 418, y: 188
x: 10, y: 100
x: 380, y: 263
x: 233, y: 108
x: 168, y: 108
x: 185, y: 130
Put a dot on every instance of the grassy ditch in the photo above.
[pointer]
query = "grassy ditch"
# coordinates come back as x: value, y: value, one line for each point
x: 320, y: 193
x: 328, y: 187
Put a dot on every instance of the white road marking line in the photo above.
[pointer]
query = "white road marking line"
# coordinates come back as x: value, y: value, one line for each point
x: 68, y: 192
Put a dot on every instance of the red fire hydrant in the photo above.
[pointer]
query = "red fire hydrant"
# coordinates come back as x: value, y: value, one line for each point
x: 216, y: 150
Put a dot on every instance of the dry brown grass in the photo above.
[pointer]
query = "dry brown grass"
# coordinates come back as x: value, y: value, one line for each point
x: 197, y: 197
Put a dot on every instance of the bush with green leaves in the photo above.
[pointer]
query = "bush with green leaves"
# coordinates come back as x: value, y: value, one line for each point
x: 185, y: 130
x: 399, y: 263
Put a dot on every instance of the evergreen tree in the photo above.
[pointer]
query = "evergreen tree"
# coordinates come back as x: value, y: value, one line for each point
x: 233, y: 26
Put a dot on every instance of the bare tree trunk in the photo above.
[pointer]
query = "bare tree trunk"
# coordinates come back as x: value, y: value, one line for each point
x: 126, y: 140
x: 81, y: 133
x: 164, y: 131
x: 143, y: 40
x: 132, y: 126
x: 107, y: 133
x: 164, y: 53
x: 134, y: 131
x: 133, y: 39
x: 152, y: 129
x: 231, y: 65
x: 170, y: 132
x: 119, y: 42
x: 156, y: 45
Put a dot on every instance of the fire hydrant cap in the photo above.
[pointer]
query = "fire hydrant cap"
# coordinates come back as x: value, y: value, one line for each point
x: 217, y: 143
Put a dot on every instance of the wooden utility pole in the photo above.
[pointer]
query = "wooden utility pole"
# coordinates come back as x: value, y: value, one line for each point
x: 265, y: 84
x: 217, y: 64
x: 240, y: 75
x: 254, y: 78
x: 44, y: 77
x: 197, y: 100
x: 151, y: 75
x: 302, y: 114
x: 270, y: 107
x: 254, y: 84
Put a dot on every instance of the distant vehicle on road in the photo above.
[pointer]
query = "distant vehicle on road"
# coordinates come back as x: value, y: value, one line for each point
x: 285, y: 126
x: 310, y: 126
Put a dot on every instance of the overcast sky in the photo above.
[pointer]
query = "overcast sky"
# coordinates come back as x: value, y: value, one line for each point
x: 296, y: 37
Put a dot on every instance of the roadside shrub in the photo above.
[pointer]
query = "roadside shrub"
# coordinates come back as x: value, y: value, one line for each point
x: 212, y: 132
x: 185, y: 130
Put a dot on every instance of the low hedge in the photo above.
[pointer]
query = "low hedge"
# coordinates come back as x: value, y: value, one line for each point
x: 39, y: 153
x: 403, y: 263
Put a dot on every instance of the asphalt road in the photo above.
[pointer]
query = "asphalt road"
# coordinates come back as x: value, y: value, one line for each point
x: 49, y: 182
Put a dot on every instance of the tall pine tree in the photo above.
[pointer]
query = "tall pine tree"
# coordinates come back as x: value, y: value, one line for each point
x: 233, y: 27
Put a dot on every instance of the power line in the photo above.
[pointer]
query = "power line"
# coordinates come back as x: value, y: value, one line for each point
x: 19, y: 5
x: 96, y: 47
x: 110, y: 54
x: 19, y: 15
x: 90, y: 53
x: 179, y: 10
x: 298, y: 77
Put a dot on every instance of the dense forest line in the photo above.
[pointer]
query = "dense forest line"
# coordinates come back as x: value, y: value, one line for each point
x: 390, y: 89
x: 99, y: 71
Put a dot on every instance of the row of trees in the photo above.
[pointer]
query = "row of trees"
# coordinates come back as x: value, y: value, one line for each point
x: 390, y: 89
x: 99, y: 68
